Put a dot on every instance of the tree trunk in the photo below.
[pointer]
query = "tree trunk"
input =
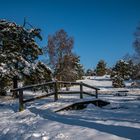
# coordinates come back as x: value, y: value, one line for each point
x: 15, y: 83
x: 2, y: 87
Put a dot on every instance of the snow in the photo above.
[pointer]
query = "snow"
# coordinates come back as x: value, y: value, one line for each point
x: 117, y: 121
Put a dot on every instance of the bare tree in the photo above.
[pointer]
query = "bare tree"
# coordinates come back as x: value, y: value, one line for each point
x: 61, y: 58
x: 59, y: 45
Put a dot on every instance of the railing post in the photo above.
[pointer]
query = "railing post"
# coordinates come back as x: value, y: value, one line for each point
x: 56, y: 91
x: 96, y: 93
x: 21, y: 106
x: 81, y: 90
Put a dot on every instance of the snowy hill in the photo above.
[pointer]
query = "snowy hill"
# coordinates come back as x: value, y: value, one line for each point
x: 117, y: 121
x: 105, y: 84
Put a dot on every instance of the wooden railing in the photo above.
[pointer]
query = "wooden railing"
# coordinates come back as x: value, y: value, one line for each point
x: 56, y: 85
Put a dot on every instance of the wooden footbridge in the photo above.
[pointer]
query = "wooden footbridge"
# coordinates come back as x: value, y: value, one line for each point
x: 56, y: 90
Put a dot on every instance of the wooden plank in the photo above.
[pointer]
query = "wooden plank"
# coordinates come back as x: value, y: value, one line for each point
x: 96, y: 93
x: 81, y: 91
x: 32, y: 86
x: 21, y: 103
x: 56, y: 91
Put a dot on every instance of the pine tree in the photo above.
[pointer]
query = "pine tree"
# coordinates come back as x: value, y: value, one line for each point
x: 123, y: 69
x: 64, y: 70
x: 90, y: 72
x: 39, y: 73
x: 69, y: 69
x: 118, y: 81
x: 79, y: 68
x: 136, y: 72
x: 18, y: 50
x: 101, y: 68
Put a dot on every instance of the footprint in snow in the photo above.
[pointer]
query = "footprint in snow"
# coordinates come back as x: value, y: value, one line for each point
x: 45, y: 138
x: 61, y: 136
x: 5, y: 131
x: 37, y: 135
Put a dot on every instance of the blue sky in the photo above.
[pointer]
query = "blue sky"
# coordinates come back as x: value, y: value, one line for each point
x: 102, y: 29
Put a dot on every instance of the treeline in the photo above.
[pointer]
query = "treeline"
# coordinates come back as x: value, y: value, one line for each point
x: 127, y: 68
x: 19, y: 53
x: 121, y: 71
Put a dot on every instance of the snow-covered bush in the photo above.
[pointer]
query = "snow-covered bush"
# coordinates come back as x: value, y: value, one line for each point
x: 136, y: 72
x: 118, y: 82
x: 108, y: 71
x: 123, y: 69
x: 101, y: 68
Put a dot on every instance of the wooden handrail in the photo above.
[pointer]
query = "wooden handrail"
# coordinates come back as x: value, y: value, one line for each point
x: 32, y: 86
x: 55, y: 93
x: 52, y: 82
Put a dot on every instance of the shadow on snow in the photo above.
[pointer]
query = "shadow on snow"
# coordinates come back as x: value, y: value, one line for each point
x: 122, y: 131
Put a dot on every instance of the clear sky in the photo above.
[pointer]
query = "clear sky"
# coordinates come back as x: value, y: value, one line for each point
x: 102, y: 29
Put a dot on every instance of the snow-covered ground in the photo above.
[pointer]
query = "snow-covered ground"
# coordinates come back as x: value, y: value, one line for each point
x: 119, y: 120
